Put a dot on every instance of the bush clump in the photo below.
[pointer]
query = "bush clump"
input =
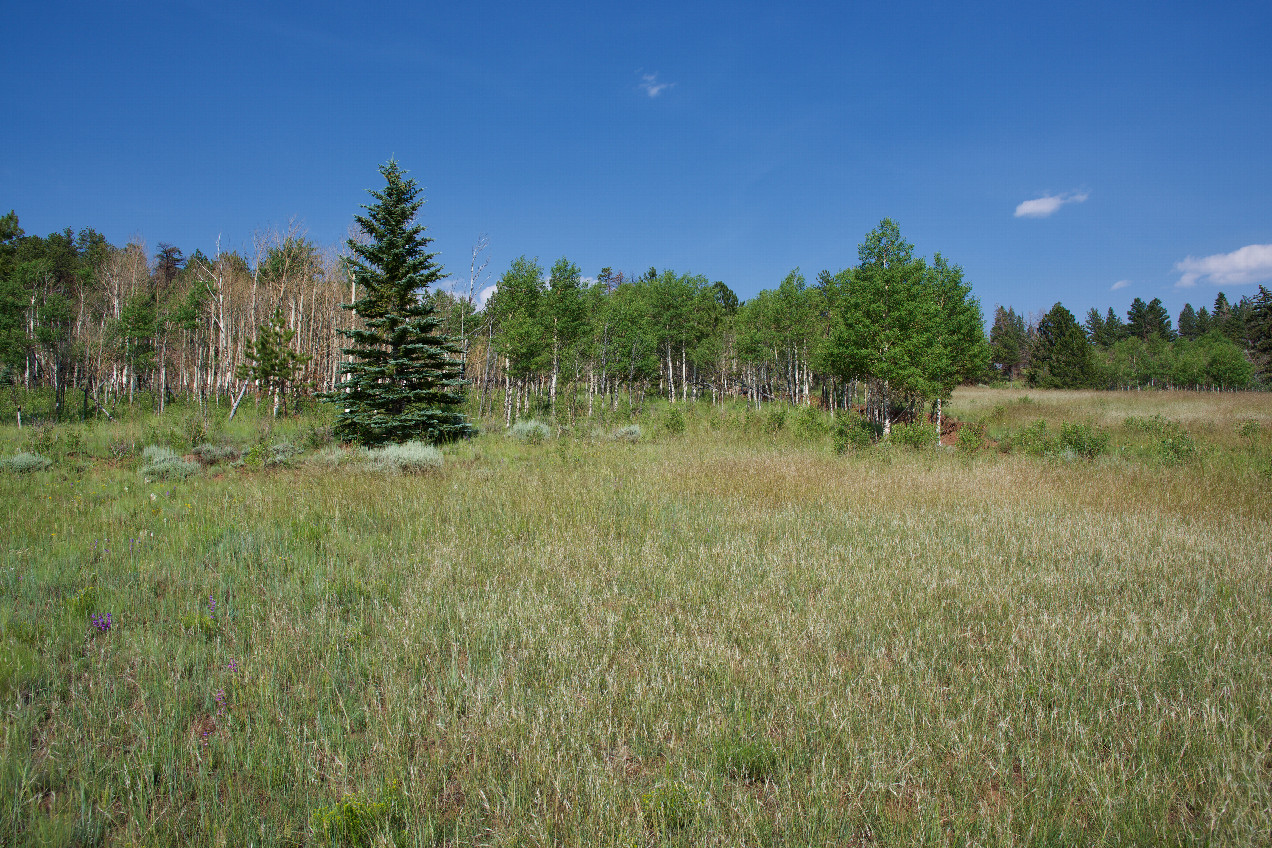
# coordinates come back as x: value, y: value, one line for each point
x: 406, y: 458
x: 971, y: 437
x: 1035, y: 440
x: 356, y: 820
x: 1085, y: 440
x: 855, y: 432
x: 531, y: 432
x: 917, y: 436
x: 630, y: 433
x: 210, y: 454
x: 809, y: 424
x: 161, y: 463
x: 1177, y: 447
x: 25, y: 463
x: 276, y: 455
x: 674, y: 421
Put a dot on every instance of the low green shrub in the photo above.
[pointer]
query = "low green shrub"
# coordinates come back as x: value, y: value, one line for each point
x: 1249, y: 429
x: 1176, y: 447
x: 531, y: 432
x: 1034, y: 439
x: 809, y: 423
x: 357, y: 821
x: 775, y: 418
x: 407, y: 458
x: 855, y: 432
x: 275, y: 455
x: 1085, y: 440
x: 971, y: 437
x: 917, y: 436
x: 674, y: 420
x: 25, y: 463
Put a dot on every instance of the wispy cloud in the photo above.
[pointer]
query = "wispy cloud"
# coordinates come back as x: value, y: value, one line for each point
x: 1250, y: 264
x: 483, y: 296
x: 1120, y: 284
x: 1043, y: 207
x: 650, y: 85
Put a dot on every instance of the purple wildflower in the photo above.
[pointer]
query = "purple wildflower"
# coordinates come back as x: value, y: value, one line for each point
x: 211, y: 605
x: 102, y: 622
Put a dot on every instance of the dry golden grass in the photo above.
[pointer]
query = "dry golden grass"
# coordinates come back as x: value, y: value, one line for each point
x: 699, y: 640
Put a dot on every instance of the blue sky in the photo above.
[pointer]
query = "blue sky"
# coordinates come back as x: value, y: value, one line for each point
x: 1055, y: 151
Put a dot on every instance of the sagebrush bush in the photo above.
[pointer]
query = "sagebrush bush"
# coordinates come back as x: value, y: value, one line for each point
x: 531, y: 432
x: 630, y: 433
x: 1085, y: 440
x: 917, y: 436
x: 210, y: 454
x: 406, y: 458
x: 25, y: 463
x: 161, y: 463
x: 855, y: 432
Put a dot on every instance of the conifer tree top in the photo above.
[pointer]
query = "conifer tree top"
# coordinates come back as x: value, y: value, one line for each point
x: 394, y: 263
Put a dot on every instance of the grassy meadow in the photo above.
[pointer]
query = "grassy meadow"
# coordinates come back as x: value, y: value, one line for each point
x: 716, y: 631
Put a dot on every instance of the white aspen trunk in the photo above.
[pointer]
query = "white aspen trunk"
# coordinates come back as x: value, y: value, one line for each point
x: 671, y: 377
x: 938, y: 422
x: 237, y: 399
x: 684, y: 376
x: 507, y: 396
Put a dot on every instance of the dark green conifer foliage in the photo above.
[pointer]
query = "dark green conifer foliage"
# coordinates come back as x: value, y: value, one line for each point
x: 1061, y: 355
x: 271, y: 361
x: 404, y: 381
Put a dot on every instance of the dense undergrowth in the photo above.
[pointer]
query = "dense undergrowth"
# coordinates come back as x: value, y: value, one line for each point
x: 699, y: 625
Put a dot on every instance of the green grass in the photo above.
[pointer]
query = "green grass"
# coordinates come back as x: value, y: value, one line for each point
x: 724, y: 635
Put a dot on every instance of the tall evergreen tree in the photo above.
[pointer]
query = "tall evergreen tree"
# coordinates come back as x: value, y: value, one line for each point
x: 403, y: 382
x: 1008, y: 342
x: 1061, y: 355
x: 1188, y: 323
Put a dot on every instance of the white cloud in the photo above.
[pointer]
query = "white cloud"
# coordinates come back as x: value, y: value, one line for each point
x: 650, y: 85
x: 1250, y: 264
x: 1120, y: 284
x: 1042, y: 207
x: 483, y: 296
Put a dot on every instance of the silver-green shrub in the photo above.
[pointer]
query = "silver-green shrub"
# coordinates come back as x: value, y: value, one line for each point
x: 630, y: 433
x: 25, y: 463
x: 158, y: 462
x: 210, y: 454
x: 407, y: 458
x: 531, y: 431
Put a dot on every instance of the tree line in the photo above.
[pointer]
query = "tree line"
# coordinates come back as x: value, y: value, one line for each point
x: 1225, y: 347
x: 892, y: 334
